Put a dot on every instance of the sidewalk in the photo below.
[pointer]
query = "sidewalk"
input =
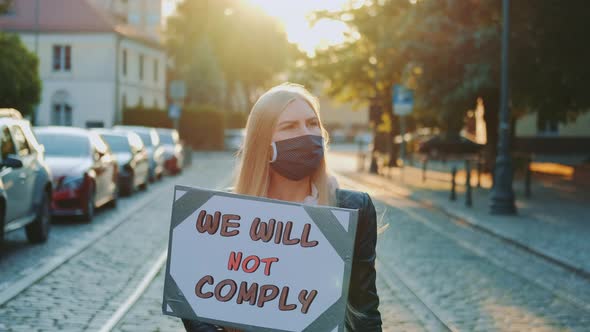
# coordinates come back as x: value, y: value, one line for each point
x: 554, y: 222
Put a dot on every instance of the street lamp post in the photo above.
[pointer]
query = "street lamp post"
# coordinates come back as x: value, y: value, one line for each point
x: 502, y: 198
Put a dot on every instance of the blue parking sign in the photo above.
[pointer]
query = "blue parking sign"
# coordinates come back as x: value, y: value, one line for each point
x: 174, y: 111
x: 403, y: 100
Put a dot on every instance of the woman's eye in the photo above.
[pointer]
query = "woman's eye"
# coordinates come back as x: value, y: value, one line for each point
x: 314, y: 123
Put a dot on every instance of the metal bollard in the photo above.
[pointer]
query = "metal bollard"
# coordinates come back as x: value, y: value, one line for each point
x: 424, y: 162
x: 453, y: 193
x: 479, y: 167
x: 374, y: 167
x: 468, y: 198
x: 361, y: 158
x: 527, y: 179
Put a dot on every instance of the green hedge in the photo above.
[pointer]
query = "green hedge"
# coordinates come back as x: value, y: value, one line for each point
x: 201, y: 128
x: 236, y: 120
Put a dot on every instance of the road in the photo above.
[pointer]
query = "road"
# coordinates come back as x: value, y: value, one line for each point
x: 434, y: 273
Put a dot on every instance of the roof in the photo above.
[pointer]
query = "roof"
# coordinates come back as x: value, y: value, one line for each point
x: 62, y: 130
x: 11, y: 121
x: 10, y: 113
x: 63, y: 16
x: 110, y: 132
x: 134, y: 128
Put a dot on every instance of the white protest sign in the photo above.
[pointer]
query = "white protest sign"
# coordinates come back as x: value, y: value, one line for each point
x: 258, y: 264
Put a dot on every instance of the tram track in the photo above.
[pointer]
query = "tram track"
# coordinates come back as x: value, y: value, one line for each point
x: 12, y: 289
x: 156, y: 267
x: 384, y: 195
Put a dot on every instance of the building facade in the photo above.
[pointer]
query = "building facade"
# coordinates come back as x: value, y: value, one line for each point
x: 91, y: 65
x: 144, y: 15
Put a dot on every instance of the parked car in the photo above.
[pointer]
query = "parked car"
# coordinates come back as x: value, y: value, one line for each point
x: 25, y: 181
x: 234, y: 139
x: 444, y: 144
x: 151, y: 140
x: 131, y: 156
x: 84, y: 170
x: 10, y: 113
x: 173, y: 150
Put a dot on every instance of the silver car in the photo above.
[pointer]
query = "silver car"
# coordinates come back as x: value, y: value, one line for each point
x: 155, y: 151
x: 25, y: 181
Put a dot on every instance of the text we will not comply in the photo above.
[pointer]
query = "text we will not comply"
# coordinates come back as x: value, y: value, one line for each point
x: 253, y: 294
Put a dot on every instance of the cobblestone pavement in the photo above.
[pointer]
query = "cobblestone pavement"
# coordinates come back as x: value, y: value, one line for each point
x: 434, y: 273
x: 553, y: 222
x: 472, y: 281
x: 84, y: 292
x: 18, y: 257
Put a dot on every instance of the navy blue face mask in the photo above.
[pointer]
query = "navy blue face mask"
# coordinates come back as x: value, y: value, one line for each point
x: 298, y: 157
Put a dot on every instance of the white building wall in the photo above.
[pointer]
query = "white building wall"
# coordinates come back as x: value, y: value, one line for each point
x: 90, y: 82
x: 151, y: 90
x: 526, y: 126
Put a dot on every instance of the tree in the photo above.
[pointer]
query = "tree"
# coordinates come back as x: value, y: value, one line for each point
x: 5, y: 5
x: 249, y: 47
x: 20, y: 85
x: 449, y: 53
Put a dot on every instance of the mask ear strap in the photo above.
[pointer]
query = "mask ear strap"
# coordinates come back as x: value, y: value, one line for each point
x: 274, y: 152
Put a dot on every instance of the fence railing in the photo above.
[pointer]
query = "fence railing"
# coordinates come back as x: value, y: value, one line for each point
x: 470, y: 163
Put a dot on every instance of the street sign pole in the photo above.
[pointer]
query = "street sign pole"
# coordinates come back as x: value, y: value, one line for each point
x: 177, y: 91
x: 175, y: 123
x: 403, y: 104
x: 402, y: 130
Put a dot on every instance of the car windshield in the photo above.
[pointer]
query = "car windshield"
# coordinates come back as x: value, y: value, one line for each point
x: 166, y: 138
x: 117, y: 143
x: 64, y: 145
x: 146, y: 138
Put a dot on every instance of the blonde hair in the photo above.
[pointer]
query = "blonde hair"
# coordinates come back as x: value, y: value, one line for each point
x: 253, y: 170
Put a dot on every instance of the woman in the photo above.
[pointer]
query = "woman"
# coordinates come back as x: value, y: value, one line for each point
x: 283, y: 158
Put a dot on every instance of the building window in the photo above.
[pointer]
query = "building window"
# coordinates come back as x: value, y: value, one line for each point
x: 124, y: 62
x: 10, y: 10
x: 156, y: 65
x: 141, y: 67
x: 61, y: 109
x: 134, y: 19
x: 62, y: 55
x: 547, y: 126
x: 62, y: 115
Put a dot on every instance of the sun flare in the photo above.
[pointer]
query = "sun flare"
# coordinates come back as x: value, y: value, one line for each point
x: 294, y: 17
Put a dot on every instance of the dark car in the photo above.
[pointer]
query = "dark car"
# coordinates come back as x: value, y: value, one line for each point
x: 83, y: 168
x: 234, y: 138
x: 25, y: 181
x: 151, y: 140
x: 173, y: 150
x: 131, y: 156
x: 444, y: 145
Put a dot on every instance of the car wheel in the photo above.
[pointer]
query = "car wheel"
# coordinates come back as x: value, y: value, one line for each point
x: 145, y: 183
x: 90, y: 205
x: 114, y: 200
x: 38, y: 230
x: 130, y: 187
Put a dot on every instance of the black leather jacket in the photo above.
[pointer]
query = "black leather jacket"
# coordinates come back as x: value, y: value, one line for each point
x: 362, y: 311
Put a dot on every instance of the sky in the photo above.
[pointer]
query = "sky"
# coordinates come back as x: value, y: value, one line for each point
x: 292, y: 14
